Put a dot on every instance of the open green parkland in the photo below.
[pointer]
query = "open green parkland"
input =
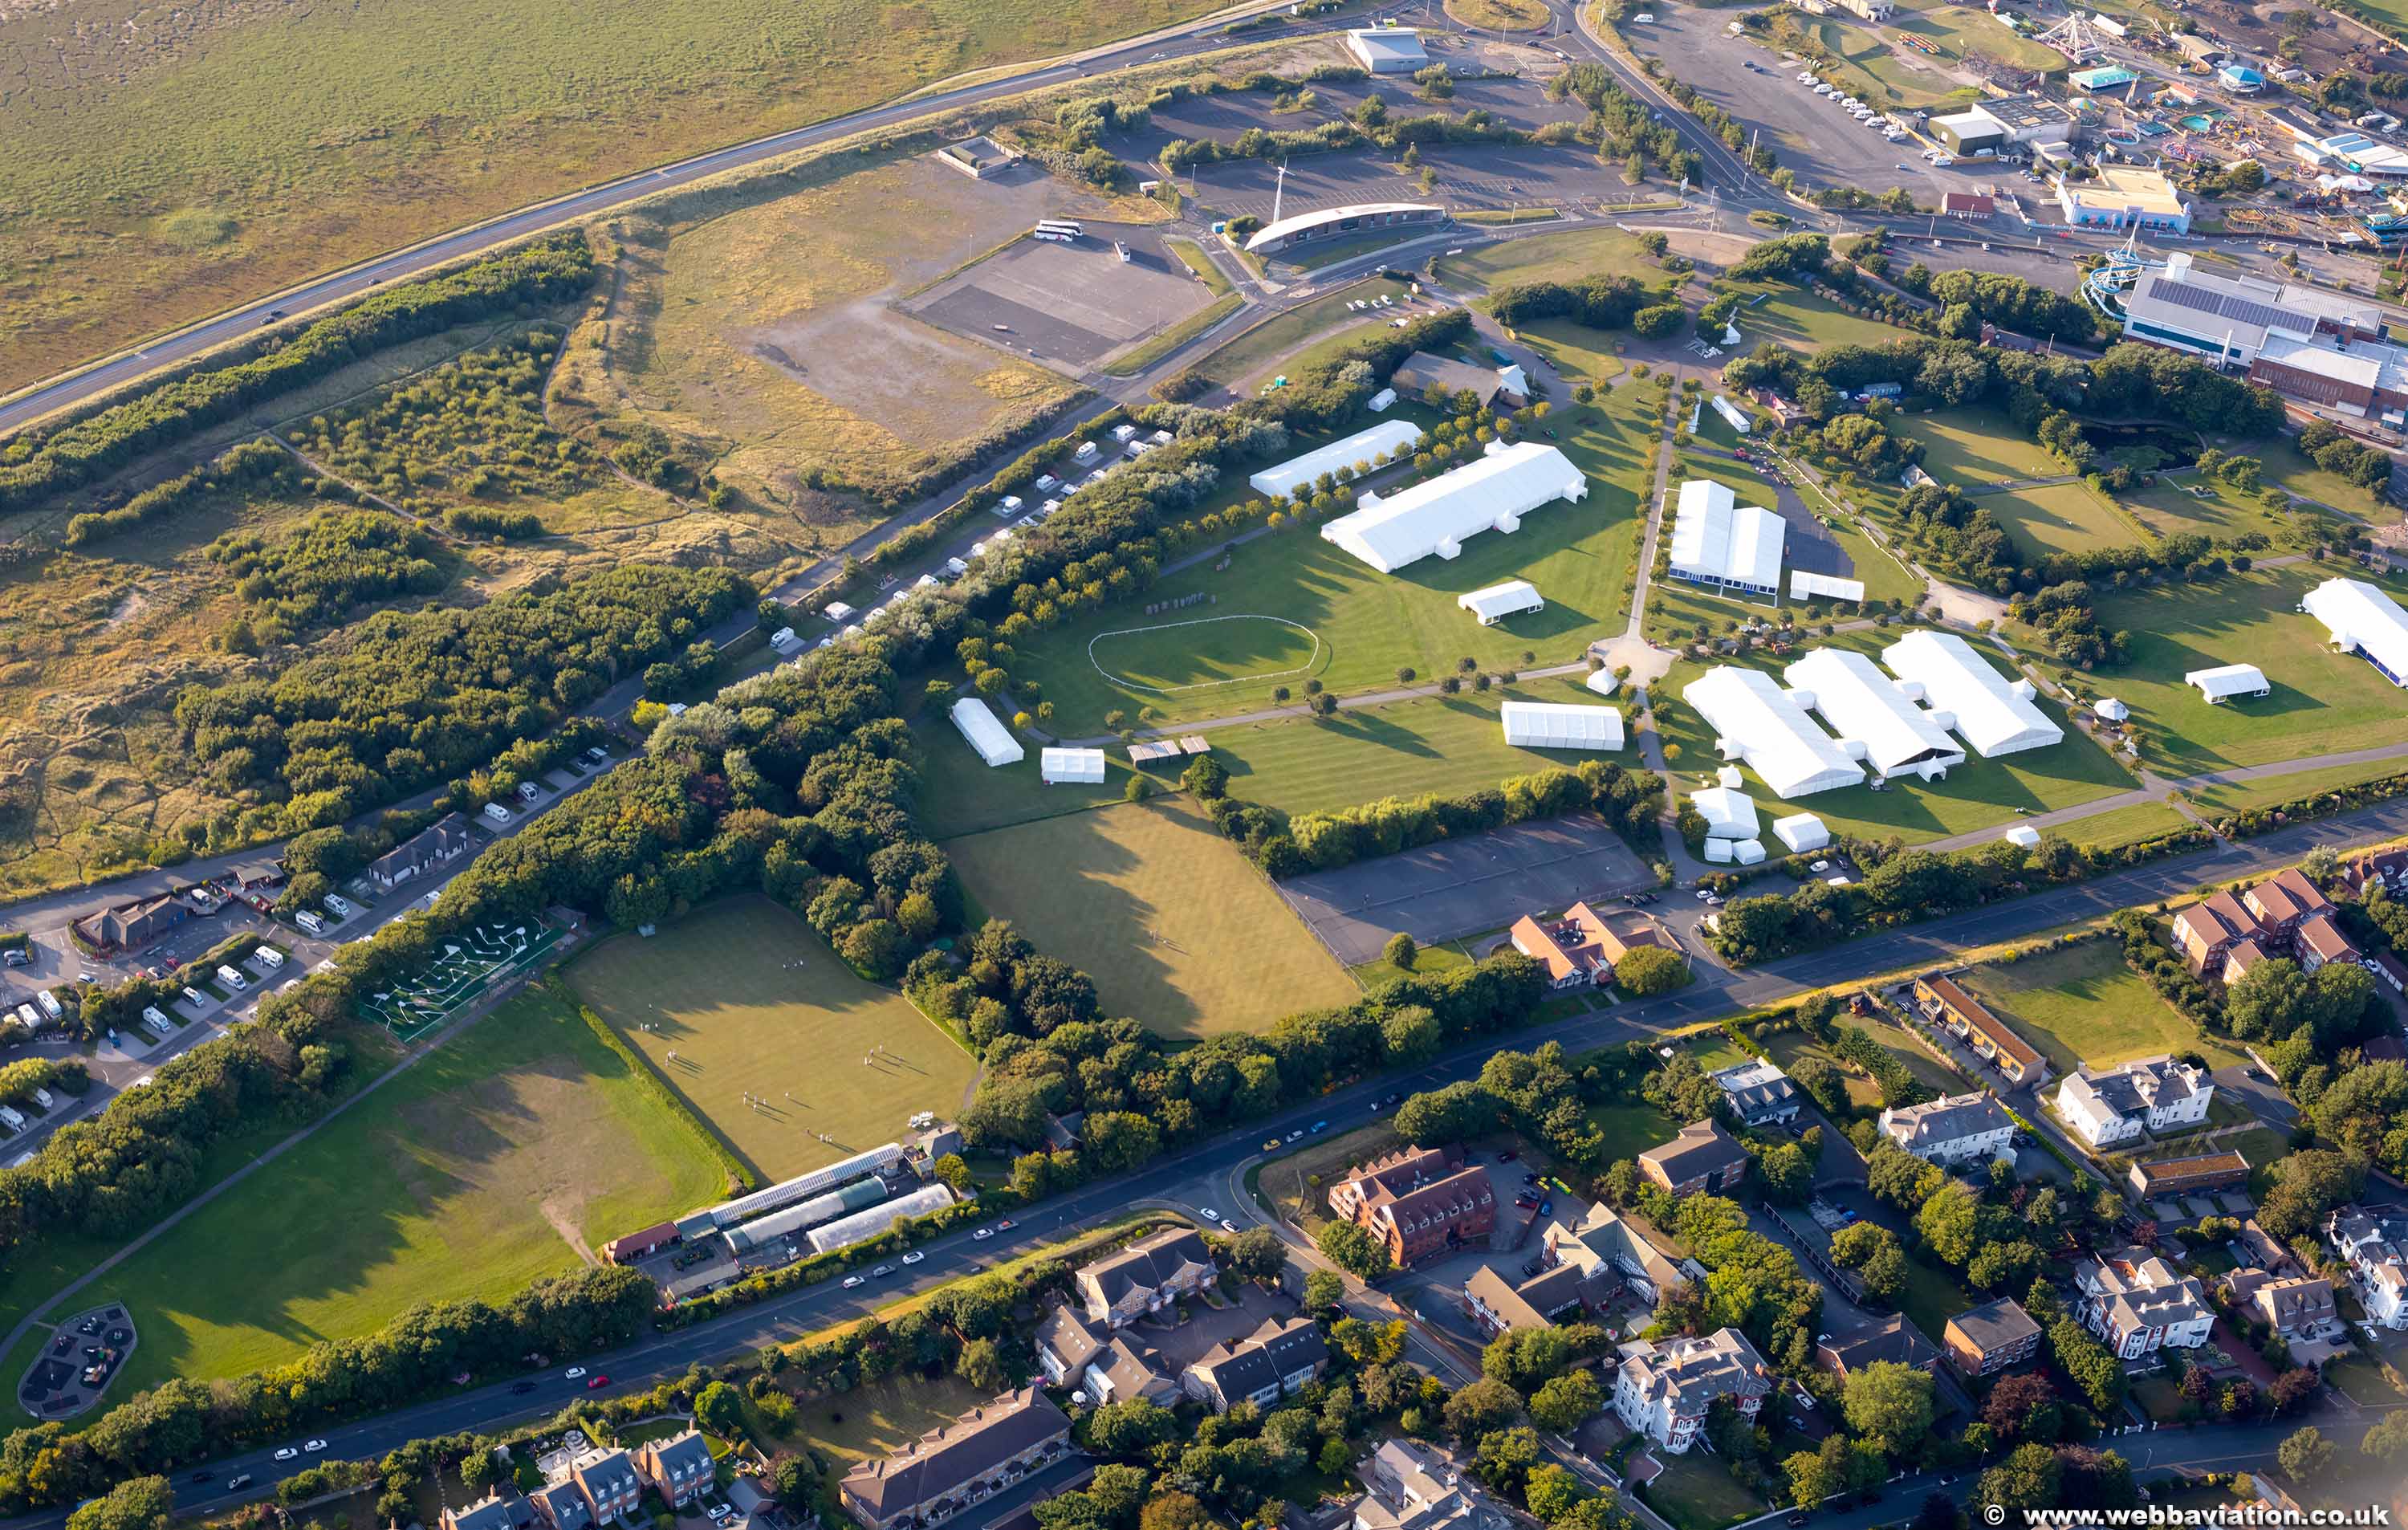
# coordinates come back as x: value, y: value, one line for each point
x: 1977, y: 794
x: 470, y: 1175
x: 1303, y: 593
x: 1178, y: 929
x: 2323, y: 702
x: 2083, y: 1005
x: 790, y: 1057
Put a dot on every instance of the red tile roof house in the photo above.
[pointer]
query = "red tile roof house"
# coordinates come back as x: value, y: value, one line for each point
x: 1419, y: 1202
x: 2321, y: 940
x: 2207, y: 931
x: 678, y: 1468
x: 2285, y: 900
x: 2227, y: 934
x: 1985, y: 1339
x: 1577, y: 949
x: 1967, y: 204
x: 1703, y: 1160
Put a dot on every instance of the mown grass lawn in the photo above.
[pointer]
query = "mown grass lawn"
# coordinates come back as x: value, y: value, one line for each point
x: 2323, y: 702
x: 2083, y: 1005
x: 2266, y: 791
x: 1295, y: 337
x: 2060, y: 518
x: 1567, y: 256
x: 472, y: 1174
x: 1695, y: 1492
x: 1796, y: 317
x: 1973, y: 447
x: 1630, y: 1128
x: 1583, y: 557
x: 1975, y: 795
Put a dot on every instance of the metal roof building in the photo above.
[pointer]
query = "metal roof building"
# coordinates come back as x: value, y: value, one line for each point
x: 990, y: 737
x: 1549, y: 724
x: 870, y: 1224
x: 1388, y: 50
x: 1492, y: 493
x: 1995, y: 715
x: 2365, y: 621
x: 1872, y: 715
x: 1389, y: 437
x: 2230, y: 314
x: 1330, y: 222
x: 1717, y: 541
x: 1754, y: 719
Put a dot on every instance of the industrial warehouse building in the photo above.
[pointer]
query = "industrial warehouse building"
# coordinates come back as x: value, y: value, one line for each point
x: 2365, y: 621
x: 1492, y: 493
x: 1995, y: 715
x: 2228, y: 315
x: 1071, y: 766
x: 1338, y: 222
x: 1548, y: 724
x: 1999, y: 127
x: 1718, y: 541
x: 1497, y: 601
x: 1874, y: 719
x: 1755, y: 721
x: 2123, y: 196
x: 1387, y: 49
x: 1390, y: 437
x: 990, y: 737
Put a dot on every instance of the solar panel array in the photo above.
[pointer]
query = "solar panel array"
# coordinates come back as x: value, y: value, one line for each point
x: 2182, y: 295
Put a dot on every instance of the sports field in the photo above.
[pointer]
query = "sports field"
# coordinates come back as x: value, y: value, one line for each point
x: 2083, y: 1005
x: 1975, y: 795
x: 2323, y: 702
x: 789, y: 1055
x: 504, y: 1156
x: 1175, y: 927
x: 1583, y: 557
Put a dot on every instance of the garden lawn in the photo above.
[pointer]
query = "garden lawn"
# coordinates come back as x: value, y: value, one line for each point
x: 1177, y: 929
x: 1291, y: 1182
x: 506, y: 1156
x: 1799, y: 318
x: 1426, y: 960
x: 1630, y: 1128
x: 1695, y: 1492
x: 1969, y: 448
x: 1931, y: 1297
x: 2167, y: 507
x: 2323, y: 702
x: 1446, y: 744
x: 1975, y: 795
x: 2286, y: 466
x: 879, y: 1418
x: 1582, y: 556
x: 2219, y: 801
x: 2082, y: 1006
x: 743, y: 998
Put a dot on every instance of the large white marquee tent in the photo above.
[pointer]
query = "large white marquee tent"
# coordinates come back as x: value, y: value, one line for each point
x: 1871, y: 716
x: 2363, y: 621
x: 1498, y: 601
x: 990, y: 737
x: 1071, y: 766
x: 1756, y: 720
x: 1551, y: 724
x: 1718, y: 541
x: 1994, y: 714
x: 1728, y: 814
x: 1435, y: 516
x: 1389, y: 435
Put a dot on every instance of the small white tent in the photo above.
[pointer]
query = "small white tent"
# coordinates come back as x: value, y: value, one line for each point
x: 2024, y: 834
x: 1071, y: 766
x: 990, y: 737
x: 2226, y: 681
x: 1497, y: 601
x: 1801, y: 832
x: 1728, y: 814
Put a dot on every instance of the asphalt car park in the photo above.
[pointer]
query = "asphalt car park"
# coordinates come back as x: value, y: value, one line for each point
x: 1459, y: 887
x: 1466, y: 175
x: 1812, y: 134
x: 1076, y: 302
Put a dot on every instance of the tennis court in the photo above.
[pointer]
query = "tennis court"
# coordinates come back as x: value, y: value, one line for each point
x: 470, y: 964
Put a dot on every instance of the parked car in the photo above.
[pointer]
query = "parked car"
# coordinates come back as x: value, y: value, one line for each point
x: 576, y: 1373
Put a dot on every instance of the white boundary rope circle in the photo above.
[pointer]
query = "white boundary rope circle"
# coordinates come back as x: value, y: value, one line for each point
x: 1203, y: 685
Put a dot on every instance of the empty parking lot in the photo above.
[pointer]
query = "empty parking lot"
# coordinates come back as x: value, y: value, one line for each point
x: 1461, y: 887
x: 1075, y: 303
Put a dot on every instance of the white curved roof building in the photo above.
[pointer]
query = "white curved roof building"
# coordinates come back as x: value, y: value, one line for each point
x: 1873, y: 716
x: 1994, y: 714
x: 1389, y: 435
x: 2365, y: 621
x: 1334, y: 223
x: 1492, y: 493
x: 1721, y: 542
x: 1755, y: 721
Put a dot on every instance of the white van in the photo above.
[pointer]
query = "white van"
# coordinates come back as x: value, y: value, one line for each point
x: 495, y: 812
x: 310, y: 923
x: 196, y: 997
x: 29, y: 1017
x: 340, y: 906
x: 11, y: 1118
x: 269, y: 957
x: 42, y: 1097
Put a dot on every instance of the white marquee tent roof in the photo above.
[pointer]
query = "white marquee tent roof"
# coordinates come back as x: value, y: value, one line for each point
x: 2227, y: 681
x: 1997, y: 716
x: 1805, y: 586
x: 1801, y: 832
x: 1501, y: 600
x: 2363, y: 619
x: 990, y: 737
x: 1728, y: 814
x: 1553, y: 724
x: 1388, y: 436
x: 1435, y: 516
x: 1716, y: 538
x: 1068, y: 765
x: 1754, y: 718
x: 1865, y: 706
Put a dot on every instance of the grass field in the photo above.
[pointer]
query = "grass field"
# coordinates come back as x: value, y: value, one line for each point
x: 2323, y: 702
x: 163, y: 166
x: 1973, y: 447
x: 2060, y: 517
x: 1975, y: 795
x: 2268, y: 791
x: 470, y: 1175
x: 1498, y: 15
x: 2124, y: 825
x: 2083, y: 1005
x: 1293, y: 337
x: 1695, y: 1492
x: 2169, y: 507
x: 2286, y: 466
x: 1550, y: 257
x: 1293, y: 1182
x: 1799, y: 318
x: 1582, y: 556
x: 742, y: 998
x: 1176, y: 928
